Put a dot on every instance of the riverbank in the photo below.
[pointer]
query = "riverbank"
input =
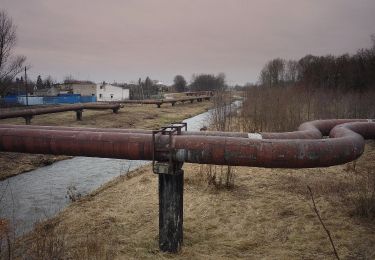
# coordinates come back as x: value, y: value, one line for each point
x: 12, y: 164
x: 268, y: 214
x: 130, y: 116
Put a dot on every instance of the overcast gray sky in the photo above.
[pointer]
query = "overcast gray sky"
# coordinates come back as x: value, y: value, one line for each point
x: 122, y: 40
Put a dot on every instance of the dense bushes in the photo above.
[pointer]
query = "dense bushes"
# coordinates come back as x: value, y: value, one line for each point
x: 284, y: 109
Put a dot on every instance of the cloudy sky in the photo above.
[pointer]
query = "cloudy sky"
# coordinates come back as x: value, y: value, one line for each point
x: 122, y: 40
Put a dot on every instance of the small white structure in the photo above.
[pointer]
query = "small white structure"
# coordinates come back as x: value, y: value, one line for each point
x: 107, y: 92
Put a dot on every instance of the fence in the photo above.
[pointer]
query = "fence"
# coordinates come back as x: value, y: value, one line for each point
x: 61, y: 99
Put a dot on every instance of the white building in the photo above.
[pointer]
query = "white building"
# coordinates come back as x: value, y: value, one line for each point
x: 107, y: 92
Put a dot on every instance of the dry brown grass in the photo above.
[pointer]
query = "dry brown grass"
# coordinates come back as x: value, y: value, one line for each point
x: 131, y: 116
x: 267, y: 215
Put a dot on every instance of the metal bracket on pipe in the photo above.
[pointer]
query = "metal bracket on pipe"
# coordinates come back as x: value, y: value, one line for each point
x: 170, y: 130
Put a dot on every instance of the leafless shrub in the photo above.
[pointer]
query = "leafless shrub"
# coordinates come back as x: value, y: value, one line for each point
x: 219, y: 177
x: 221, y: 119
x: 48, y: 242
x: 72, y: 194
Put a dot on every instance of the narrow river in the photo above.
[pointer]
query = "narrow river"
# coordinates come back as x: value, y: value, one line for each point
x: 40, y: 194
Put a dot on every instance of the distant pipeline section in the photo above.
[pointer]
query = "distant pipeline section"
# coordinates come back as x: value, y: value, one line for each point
x: 28, y: 114
x: 159, y: 102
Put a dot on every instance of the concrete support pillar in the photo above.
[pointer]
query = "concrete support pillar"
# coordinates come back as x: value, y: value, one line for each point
x: 171, y: 189
x: 79, y: 115
x: 115, y: 110
x: 28, y: 120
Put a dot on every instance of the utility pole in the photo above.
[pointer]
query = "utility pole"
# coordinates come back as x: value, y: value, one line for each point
x: 27, y: 97
x: 141, y: 89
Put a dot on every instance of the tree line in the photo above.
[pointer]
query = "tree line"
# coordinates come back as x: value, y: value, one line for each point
x: 147, y: 89
x: 200, y: 82
x: 346, y: 72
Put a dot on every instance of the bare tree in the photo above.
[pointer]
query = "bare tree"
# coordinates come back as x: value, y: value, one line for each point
x: 272, y: 73
x: 347, y: 72
x: 10, y: 65
x: 49, y: 81
x: 291, y: 72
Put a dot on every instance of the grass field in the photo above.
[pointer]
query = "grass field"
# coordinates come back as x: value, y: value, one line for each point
x: 268, y: 214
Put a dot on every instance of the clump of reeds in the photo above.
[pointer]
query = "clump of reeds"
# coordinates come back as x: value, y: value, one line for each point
x: 221, y: 119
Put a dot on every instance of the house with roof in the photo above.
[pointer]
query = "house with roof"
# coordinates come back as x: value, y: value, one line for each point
x: 108, y: 92
x: 102, y: 91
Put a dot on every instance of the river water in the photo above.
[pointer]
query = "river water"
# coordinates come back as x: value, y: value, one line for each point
x: 40, y: 194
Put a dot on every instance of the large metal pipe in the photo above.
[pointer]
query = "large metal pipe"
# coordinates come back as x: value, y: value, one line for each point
x: 159, y: 102
x: 199, y: 93
x: 346, y: 144
x: 271, y: 153
x: 95, y: 106
x: 57, y: 109
x: 39, y: 111
x: 308, y: 130
x: 84, y: 143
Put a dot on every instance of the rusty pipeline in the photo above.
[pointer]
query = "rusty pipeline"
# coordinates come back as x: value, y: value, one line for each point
x: 78, y: 108
x: 97, y: 106
x: 310, y: 130
x: 303, y: 149
x: 199, y: 93
x: 316, y: 144
x: 39, y: 111
x: 57, y: 109
x: 159, y: 102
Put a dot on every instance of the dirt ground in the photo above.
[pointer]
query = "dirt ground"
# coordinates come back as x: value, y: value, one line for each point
x: 267, y: 215
x: 130, y: 116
